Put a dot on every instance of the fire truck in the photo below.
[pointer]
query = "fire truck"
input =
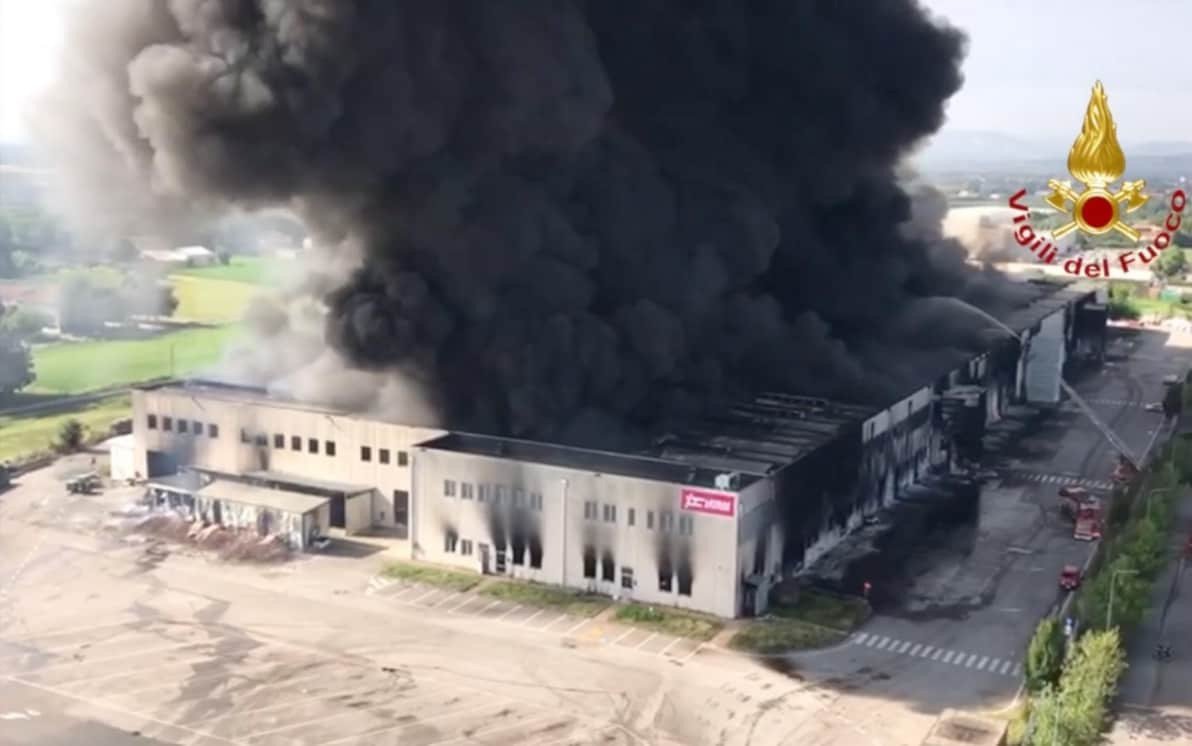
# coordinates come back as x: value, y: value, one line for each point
x: 1083, y: 510
x: 1124, y: 471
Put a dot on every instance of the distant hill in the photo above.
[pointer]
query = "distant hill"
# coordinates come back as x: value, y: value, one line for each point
x: 969, y: 151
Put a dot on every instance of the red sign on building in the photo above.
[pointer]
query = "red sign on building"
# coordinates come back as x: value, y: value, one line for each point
x: 712, y: 503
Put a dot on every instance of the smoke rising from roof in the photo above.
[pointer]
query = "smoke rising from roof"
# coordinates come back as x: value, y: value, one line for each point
x: 569, y: 215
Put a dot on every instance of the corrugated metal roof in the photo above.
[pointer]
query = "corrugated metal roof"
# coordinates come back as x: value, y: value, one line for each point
x: 262, y: 497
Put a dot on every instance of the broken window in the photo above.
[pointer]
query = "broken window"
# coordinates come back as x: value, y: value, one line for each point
x: 403, y: 458
x: 152, y: 422
x: 279, y: 440
x: 212, y: 430
x: 312, y: 445
x: 329, y: 448
x: 167, y: 423
x: 626, y: 577
x: 448, y: 488
x: 383, y: 455
x: 684, y: 577
x: 365, y: 453
x: 519, y: 553
x: 535, y: 553
x: 608, y: 569
x: 664, y: 582
x: 501, y: 560
x: 589, y: 563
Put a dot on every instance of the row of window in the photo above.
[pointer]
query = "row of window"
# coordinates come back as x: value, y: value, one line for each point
x: 279, y: 442
x: 608, y: 569
x: 666, y: 518
x: 497, y: 494
x: 366, y: 454
x: 519, y: 555
x: 185, y: 427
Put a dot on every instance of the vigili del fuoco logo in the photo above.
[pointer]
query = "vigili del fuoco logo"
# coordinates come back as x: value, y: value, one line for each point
x: 1096, y: 160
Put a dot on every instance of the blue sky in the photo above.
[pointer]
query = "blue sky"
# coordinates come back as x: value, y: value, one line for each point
x: 1031, y: 64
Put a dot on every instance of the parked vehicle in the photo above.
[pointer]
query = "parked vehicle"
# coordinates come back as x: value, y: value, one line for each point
x: 1070, y: 578
x: 1084, y: 510
x: 84, y: 484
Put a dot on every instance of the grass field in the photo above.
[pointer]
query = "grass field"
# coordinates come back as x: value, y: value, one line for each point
x: 453, y: 580
x: 22, y: 438
x: 76, y: 367
x: 675, y: 622
x: 211, y: 301
x: 562, y: 600
x: 777, y: 635
x: 249, y: 270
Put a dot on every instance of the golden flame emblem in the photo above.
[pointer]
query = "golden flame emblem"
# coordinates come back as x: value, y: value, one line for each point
x: 1097, y: 160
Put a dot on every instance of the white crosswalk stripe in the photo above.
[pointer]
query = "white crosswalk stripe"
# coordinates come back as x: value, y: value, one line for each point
x: 1030, y: 476
x: 975, y: 661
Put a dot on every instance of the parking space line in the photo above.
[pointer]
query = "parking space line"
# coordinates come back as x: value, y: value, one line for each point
x: 512, y: 609
x: 579, y: 624
x: 439, y: 604
x: 428, y: 594
x: 104, y: 705
x: 669, y: 645
x: 405, y: 589
x: 137, y: 671
x: 555, y: 621
x: 936, y: 655
x: 486, y: 608
x: 643, y: 642
x: 55, y: 650
x: 627, y: 634
x: 694, y: 650
x: 531, y: 618
x: 467, y: 600
x: 298, y: 701
x: 137, y: 654
x: 190, y: 680
x: 24, y: 639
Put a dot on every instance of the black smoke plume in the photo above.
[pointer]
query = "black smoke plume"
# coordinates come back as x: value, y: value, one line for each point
x: 571, y: 217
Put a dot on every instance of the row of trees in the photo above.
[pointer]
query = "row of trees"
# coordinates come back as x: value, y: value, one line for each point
x: 1070, y: 705
x: 86, y: 306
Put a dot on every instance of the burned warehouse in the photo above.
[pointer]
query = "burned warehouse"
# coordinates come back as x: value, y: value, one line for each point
x: 710, y: 516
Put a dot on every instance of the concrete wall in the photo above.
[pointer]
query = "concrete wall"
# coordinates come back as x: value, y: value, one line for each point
x: 542, y: 511
x: 358, y: 512
x: 262, y: 422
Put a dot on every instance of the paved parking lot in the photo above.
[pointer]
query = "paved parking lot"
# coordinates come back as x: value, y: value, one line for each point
x: 207, y: 686
x: 567, y: 628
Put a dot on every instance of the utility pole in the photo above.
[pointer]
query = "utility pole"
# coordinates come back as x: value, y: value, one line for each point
x: 1112, y: 583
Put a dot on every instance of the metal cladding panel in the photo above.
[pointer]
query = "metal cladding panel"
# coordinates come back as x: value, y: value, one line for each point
x: 1045, y: 362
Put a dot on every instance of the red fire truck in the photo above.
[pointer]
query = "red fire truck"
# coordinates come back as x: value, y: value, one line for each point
x: 1083, y: 510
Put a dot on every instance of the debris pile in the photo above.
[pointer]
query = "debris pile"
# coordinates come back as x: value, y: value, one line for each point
x: 229, y: 544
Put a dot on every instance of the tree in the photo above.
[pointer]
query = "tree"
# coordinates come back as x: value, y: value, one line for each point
x: 25, y: 323
x: 84, y: 307
x: 1172, y: 264
x: 70, y: 436
x: 1045, y: 655
x: 16, y: 364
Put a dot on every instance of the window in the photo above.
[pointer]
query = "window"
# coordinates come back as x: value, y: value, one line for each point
x: 365, y: 453
x: 536, y: 501
x: 196, y: 427
x: 167, y: 423
x: 329, y: 447
x: 589, y: 510
x: 589, y: 564
x: 383, y: 455
x: 664, y: 582
x: 312, y: 445
x: 465, y: 490
x: 244, y: 436
x: 631, y: 518
x: 626, y: 577
x: 403, y: 458
x: 152, y: 421
x: 684, y: 582
x: 610, y: 513
x: 450, y: 542
x: 295, y: 443
x: 686, y: 525
x: 519, y: 498
x: 481, y: 492
x: 261, y: 440
x: 279, y: 440
x: 650, y: 519
x: 448, y: 488
x: 666, y: 521
x: 608, y: 569
x: 212, y: 430
x: 500, y: 494
x: 182, y: 426
x: 465, y: 547
x: 536, y: 555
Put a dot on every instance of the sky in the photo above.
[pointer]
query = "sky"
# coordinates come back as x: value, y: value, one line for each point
x: 1030, y: 67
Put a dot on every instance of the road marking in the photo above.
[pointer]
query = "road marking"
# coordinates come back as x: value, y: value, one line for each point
x: 915, y: 650
x: 993, y: 664
x: 981, y: 663
x: 622, y: 637
x: 859, y: 638
x: 670, y: 645
x: 122, y: 656
x: 467, y: 600
x: 948, y: 657
x: 872, y: 641
x: 531, y: 618
x: 27, y: 639
x: 903, y: 648
x: 969, y: 662
x: 643, y: 642
x: 1005, y: 668
x: 883, y: 643
x: 439, y: 604
x: 936, y: 655
x: 486, y: 608
x: 1017, y: 669
x: 926, y: 651
x: 579, y: 624
x: 428, y: 594
x: 555, y: 621
x: 512, y: 609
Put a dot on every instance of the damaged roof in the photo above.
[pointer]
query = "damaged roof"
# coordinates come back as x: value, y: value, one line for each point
x: 1052, y: 297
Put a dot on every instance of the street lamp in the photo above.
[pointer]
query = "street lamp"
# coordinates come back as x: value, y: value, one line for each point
x: 1110, y: 436
x: 1112, y: 583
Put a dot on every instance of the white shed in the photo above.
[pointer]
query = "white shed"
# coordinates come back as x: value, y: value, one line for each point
x: 122, y: 458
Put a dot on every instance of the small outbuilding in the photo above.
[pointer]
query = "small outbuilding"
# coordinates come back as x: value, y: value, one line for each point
x: 297, y: 518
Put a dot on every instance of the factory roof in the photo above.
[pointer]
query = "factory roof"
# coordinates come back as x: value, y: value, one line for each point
x: 582, y: 459
x: 262, y: 497
x: 1052, y: 297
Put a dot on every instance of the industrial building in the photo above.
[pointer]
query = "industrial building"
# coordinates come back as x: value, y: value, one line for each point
x: 710, y: 517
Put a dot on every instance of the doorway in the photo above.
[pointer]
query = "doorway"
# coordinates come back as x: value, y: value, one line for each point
x: 401, y: 512
x: 483, y: 551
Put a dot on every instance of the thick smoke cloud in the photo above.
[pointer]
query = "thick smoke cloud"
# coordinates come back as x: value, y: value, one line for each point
x: 571, y: 216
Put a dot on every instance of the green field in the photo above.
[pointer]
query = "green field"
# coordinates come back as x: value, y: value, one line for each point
x: 211, y: 301
x: 250, y: 270
x: 22, y: 438
x: 76, y: 367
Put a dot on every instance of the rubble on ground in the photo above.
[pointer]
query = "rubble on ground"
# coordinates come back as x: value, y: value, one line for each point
x: 228, y: 544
